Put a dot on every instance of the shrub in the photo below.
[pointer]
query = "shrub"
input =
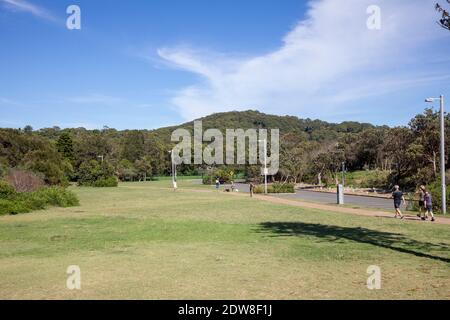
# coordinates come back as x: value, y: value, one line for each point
x: 8, y: 207
x: 57, y: 196
x: 367, y: 179
x: 40, y: 199
x: 95, y: 174
x: 106, y: 183
x: 224, y: 175
x: 24, y: 181
x: 6, y: 190
x: 276, y: 188
x: 283, y: 188
x: 435, y: 190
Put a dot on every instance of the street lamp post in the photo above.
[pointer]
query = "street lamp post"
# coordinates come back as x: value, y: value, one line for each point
x: 265, y: 164
x: 442, y: 150
x: 173, y: 171
x: 101, y: 157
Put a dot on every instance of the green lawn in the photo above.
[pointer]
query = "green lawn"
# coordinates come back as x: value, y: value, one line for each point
x: 144, y: 241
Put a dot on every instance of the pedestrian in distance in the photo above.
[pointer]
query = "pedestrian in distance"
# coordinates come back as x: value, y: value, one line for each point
x: 217, y: 184
x: 399, y: 199
x: 422, y: 208
x: 252, y: 188
x: 428, y: 206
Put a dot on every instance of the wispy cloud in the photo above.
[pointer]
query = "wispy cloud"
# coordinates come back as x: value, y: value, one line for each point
x: 329, y: 58
x: 95, y: 98
x: 8, y: 102
x: 26, y: 6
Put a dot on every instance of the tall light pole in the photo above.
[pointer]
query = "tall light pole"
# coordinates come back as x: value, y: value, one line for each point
x: 173, y: 171
x: 442, y: 151
x: 101, y: 157
x: 343, y: 173
x: 265, y: 164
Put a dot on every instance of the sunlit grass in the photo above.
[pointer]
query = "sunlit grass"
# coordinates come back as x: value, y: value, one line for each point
x: 143, y: 240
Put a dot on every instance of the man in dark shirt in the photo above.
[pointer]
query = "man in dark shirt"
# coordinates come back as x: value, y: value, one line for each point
x: 399, y: 199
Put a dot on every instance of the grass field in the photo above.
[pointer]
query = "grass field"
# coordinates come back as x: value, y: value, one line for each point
x: 144, y: 241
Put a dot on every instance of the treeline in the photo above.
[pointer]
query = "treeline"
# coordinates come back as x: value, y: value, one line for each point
x: 311, y: 151
x: 408, y: 156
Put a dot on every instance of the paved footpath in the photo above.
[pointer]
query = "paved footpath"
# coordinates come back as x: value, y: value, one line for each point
x: 325, y: 207
x: 360, y: 212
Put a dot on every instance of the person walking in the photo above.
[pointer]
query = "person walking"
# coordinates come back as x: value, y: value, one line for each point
x: 217, y: 183
x: 399, y: 199
x: 252, y: 188
x: 422, y: 208
x: 428, y: 206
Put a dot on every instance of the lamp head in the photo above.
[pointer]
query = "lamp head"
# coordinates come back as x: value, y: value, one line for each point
x: 429, y: 100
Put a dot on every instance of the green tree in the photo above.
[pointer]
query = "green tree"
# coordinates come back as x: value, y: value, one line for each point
x: 65, y: 146
x: 92, y: 170
x: 126, y: 170
x: 133, y: 146
x: 144, y: 167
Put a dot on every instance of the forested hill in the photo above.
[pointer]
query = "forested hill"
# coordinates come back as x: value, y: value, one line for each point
x: 315, y: 130
x: 308, y: 149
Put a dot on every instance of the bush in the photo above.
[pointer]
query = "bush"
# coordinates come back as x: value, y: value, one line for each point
x: 6, y: 190
x: 24, y: 181
x: 224, y: 175
x: 38, y: 200
x: 106, y: 183
x: 12, y: 207
x: 276, y: 188
x: 435, y: 190
x: 95, y: 174
x: 367, y: 179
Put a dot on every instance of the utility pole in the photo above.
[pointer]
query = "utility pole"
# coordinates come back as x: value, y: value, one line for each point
x: 173, y: 171
x: 265, y: 165
x: 442, y: 151
x: 443, y: 187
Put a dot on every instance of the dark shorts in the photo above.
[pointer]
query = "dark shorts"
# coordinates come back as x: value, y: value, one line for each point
x: 397, y: 204
x: 421, y: 203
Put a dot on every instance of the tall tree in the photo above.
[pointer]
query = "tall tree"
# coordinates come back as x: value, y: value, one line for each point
x: 65, y: 146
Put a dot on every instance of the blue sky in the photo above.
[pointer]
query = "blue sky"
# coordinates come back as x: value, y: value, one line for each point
x: 146, y: 64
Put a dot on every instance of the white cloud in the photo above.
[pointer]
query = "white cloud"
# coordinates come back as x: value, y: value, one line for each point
x: 22, y: 5
x: 95, y: 98
x: 329, y: 58
x: 8, y: 102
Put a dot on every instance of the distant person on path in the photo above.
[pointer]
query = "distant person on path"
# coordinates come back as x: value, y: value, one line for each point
x: 252, y: 187
x: 232, y: 186
x: 399, y: 199
x: 217, y: 183
x: 422, y: 208
x: 428, y: 206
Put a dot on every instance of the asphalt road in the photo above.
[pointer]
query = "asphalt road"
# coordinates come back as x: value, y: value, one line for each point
x: 330, y: 198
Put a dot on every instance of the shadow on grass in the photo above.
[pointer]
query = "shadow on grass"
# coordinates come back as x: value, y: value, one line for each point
x: 393, y: 241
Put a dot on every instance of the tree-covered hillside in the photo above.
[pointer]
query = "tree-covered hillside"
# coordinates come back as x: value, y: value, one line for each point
x: 311, y: 129
x: 311, y: 150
